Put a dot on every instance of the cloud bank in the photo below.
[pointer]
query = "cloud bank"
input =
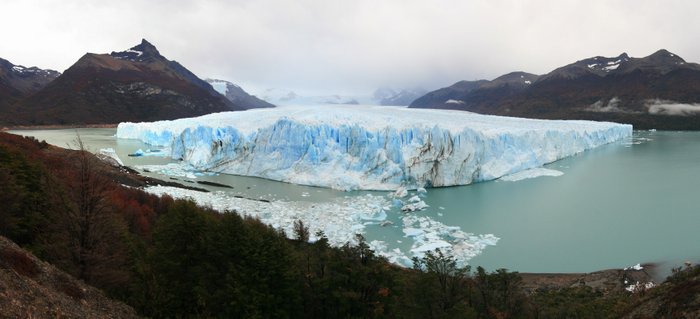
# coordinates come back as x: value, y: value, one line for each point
x: 350, y: 46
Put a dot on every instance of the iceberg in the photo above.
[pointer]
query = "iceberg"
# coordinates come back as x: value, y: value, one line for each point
x: 370, y: 147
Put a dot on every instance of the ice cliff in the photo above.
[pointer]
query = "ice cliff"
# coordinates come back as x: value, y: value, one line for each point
x: 370, y: 147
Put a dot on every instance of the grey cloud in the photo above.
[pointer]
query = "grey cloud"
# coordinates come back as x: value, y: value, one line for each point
x: 350, y: 46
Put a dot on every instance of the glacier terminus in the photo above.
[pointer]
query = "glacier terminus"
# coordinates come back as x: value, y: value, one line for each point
x: 370, y: 147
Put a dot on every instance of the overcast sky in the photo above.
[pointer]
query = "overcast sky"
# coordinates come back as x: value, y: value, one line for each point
x: 350, y: 46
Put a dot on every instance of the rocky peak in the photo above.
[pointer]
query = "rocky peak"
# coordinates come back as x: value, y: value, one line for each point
x: 664, y: 57
x: 145, y: 51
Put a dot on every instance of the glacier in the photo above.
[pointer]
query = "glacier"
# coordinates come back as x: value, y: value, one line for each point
x: 370, y: 147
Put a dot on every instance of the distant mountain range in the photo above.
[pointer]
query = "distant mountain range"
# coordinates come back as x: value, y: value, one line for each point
x: 658, y: 91
x: 397, y: 97
x: 381, y: 96
x: 281, y: 96
x: 138, y: 84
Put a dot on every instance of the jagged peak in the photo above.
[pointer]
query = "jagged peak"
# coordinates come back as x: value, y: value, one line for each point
x: 141, y: 52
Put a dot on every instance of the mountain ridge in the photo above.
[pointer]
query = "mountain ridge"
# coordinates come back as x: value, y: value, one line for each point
x: 138, y: 84
x: 657, y: 91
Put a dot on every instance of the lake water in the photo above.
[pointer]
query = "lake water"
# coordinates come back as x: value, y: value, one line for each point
x: 630, y: 202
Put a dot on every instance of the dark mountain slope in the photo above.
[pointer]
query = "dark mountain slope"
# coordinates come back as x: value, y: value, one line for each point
x: 138, y: 84
x: 658, y: 91
x: 17, y: 82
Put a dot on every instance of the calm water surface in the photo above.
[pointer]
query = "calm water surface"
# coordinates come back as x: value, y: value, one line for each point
x: 615, y: 206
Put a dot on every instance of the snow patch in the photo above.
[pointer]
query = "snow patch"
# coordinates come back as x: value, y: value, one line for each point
x: 611, y: 67
x: 451, y: 101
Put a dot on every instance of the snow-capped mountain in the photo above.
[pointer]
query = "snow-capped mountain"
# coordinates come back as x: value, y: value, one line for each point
x: 17, y: 81
x: 138, y: 84
x: 658, y: 91
x: 237, y: 95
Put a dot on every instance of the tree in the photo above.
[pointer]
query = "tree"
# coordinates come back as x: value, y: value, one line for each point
x: 301, y: 232
x: 444, y: 286
x: 88, y: 235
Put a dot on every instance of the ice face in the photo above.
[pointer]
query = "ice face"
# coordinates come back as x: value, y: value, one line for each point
x: 370, y: 147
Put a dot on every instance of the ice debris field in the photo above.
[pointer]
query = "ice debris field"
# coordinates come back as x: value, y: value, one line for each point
x: 370, y: 147
x: 344, y: 217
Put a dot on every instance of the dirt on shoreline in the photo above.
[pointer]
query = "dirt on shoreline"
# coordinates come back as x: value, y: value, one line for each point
x: 607, y: 281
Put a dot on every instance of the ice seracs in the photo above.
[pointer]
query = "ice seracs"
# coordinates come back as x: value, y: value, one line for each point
x: 370, y: 147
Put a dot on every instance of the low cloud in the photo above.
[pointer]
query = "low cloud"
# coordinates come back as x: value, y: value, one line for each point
x: 661, y: 107
x: 611, y: 107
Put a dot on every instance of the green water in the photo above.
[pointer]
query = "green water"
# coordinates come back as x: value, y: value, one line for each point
x: 615, y: 206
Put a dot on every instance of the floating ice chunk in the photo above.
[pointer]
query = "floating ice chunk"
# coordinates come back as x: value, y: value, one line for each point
x: 420, y: 205
x: 451, y: 240
x: 137, y: 153
x: 401, y: 192
x: 414, y: 199
x: 378, y: 148
x: 531, y: 173
x: 421, y: 190
x: 431, y: 246
x: 377, y: 215
x: 410, y: 232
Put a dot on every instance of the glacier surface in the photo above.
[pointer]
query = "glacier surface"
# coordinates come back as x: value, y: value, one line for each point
x: 370, y: 147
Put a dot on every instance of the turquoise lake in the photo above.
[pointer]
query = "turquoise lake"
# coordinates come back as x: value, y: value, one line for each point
x: 634, y: 201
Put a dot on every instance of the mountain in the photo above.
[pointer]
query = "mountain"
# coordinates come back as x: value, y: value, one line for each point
x: 17, y: 81
x: 658, y: 91
x: 237, y: 95
x: 401, y: 97
x: 138, y: 84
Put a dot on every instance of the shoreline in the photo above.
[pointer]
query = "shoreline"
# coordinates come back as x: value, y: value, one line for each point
x: 55, y: 126
x: 607, y: 280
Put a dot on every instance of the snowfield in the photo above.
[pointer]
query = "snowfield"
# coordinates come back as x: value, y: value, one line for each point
x: 370, y: 147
